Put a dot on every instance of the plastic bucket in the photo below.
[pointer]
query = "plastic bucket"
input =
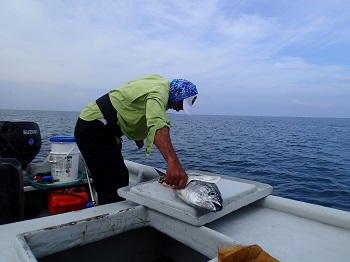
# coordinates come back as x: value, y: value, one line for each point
x: 64, y: 159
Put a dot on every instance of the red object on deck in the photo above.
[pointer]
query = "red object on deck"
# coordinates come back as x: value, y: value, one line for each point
x: 66, y: 200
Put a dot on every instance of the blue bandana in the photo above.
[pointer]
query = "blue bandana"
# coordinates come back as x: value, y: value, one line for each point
x: 181, y: 89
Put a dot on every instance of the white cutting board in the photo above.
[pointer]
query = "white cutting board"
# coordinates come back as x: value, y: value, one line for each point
x: 236, y: 193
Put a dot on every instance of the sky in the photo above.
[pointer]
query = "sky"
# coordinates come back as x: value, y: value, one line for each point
x: 246, y: 57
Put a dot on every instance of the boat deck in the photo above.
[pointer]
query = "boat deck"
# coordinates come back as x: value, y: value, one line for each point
x: 288, y: 236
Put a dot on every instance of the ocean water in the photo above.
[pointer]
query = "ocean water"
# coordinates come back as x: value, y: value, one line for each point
x: 306, y: 159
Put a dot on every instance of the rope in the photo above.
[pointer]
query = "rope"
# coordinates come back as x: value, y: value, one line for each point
x: 47, y: 184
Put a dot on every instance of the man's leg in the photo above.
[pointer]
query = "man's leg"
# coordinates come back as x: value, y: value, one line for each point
x: 103, y: 156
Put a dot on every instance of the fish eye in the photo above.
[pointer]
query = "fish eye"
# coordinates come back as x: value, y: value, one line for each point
x: 211, y: 194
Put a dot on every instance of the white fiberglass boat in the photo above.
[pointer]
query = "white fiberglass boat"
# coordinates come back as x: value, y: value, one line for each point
x: 153, y: 224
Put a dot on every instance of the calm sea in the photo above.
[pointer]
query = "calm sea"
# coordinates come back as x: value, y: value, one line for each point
x: 305, y: 159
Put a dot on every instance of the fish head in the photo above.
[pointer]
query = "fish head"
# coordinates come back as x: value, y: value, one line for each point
x: 213, y: 199
x: 203, y: 195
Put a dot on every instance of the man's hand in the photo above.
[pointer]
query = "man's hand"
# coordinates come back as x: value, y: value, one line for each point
x: 175, y: 176
x: 139, y: 143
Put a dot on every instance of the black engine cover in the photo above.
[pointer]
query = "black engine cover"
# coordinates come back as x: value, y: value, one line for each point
x: 20, y: 140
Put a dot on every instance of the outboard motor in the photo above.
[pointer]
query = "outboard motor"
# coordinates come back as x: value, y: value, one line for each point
x: 11, y: 191
x: 20, y: 140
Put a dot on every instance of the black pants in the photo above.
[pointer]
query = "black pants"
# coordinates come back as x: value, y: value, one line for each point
x: 103, y: 156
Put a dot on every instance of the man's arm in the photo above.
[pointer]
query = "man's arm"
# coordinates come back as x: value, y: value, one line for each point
x: 175, y: 175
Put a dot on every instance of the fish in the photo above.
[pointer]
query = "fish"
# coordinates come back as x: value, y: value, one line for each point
x: 202, y: 195
x: 200, y: 192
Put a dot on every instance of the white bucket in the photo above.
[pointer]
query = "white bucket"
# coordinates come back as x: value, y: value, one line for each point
x: 64, y: 159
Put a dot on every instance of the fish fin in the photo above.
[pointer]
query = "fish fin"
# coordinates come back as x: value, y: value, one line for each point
x: 160, y: 172
x: 200, y: 177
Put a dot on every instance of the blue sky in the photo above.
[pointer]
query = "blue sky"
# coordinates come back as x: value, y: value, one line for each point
x: 259, y: 58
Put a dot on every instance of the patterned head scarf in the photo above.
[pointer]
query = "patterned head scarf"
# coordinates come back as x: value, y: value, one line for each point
x: 181, y: 89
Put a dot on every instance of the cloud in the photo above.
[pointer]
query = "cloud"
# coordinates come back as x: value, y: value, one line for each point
x: 260, y: 52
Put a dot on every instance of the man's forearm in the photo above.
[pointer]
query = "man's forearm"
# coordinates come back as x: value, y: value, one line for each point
x: 163, y: 143
x: 175, y: 175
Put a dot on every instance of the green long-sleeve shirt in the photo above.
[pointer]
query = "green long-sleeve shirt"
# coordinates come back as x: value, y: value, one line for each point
x: 141, y: 105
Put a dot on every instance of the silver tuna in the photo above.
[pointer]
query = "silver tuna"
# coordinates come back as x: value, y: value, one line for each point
x: 200, y: 192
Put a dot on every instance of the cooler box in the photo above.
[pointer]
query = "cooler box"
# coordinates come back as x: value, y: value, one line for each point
x: 66, y: 200
x: 236, y: 193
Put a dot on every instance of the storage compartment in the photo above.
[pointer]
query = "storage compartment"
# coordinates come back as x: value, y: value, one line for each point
x: 143, y: 244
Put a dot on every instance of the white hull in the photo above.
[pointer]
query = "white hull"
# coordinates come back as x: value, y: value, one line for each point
x: 288, y: 230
